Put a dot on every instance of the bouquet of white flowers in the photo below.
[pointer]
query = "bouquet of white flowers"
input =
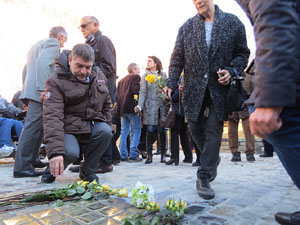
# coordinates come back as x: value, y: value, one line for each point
x: 141, y: 194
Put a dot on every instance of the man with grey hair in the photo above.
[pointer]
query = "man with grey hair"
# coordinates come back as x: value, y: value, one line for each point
x: 39, y: 66
x: 105, y: 60
x: 77, y: 115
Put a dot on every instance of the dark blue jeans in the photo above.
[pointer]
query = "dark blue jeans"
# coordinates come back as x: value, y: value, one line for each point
x: 286, y: 143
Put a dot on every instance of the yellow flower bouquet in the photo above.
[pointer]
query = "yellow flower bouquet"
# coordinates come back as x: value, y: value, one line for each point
x: 158, y: 81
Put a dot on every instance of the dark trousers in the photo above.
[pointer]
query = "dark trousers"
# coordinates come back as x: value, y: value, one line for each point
x: 180, y: 130
x: 94, y: 144
x: 31, y: 137
x: 268, y: 148
x: 115, y: 150
x: 207, y: 131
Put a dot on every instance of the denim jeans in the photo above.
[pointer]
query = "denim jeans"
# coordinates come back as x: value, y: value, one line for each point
x: 130, y: 123
x: 6, y: 126
x: 286, y: 143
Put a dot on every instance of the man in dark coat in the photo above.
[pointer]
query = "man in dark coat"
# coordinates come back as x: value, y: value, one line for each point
x: 77, y: 114
x: 209, y: 47
x: 128, y: 90
x: 105, y: 60
x: 277, y: 83
x: 105, y: 54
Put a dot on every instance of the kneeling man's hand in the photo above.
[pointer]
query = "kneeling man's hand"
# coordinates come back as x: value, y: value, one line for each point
x: 57, y: 166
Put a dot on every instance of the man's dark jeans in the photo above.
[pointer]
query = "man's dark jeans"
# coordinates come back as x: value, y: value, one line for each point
x: 207, y: 132
x: 286, y: 143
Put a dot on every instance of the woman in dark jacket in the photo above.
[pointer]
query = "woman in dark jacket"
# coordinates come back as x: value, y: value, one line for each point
x: 180, y: 130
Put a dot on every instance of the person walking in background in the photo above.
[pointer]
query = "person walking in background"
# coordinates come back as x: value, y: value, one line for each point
x: 39, y: 66
x: 77, y: 113
x: 128, y: 89
x: 105, y: 60
x: 209, y: 47
x: 233, y: 136
x: 180, y: 130
x: 277, y: 83
x: 152, y: 105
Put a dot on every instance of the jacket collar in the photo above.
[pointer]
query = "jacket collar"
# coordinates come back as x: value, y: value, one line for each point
x: 199, y: 30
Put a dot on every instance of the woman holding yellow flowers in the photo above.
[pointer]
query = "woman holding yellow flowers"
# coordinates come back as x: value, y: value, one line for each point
x: 150, y: 101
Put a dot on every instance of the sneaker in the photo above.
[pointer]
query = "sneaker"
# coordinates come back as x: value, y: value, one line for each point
x: 236, y: 157
x: 135, y: 159
x: 250, y: 157
x: 7, y: 151
x: 204, y: 189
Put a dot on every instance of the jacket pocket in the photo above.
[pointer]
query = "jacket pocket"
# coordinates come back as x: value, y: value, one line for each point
x: 74, y: 96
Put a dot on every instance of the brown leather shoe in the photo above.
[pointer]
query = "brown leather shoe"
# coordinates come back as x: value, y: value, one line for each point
x: 288, y: 218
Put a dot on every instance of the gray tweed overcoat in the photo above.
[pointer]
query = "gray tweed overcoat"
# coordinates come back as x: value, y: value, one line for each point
x: 149, y: 100
x: 228, y: 50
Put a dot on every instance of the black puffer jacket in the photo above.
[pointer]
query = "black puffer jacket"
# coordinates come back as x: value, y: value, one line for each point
x: 277, y: 33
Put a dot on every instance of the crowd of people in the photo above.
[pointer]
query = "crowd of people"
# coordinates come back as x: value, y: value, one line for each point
x: 75, y: 108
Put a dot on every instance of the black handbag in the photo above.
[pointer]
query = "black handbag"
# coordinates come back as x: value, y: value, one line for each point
x: 168, y: 117
x: 236, y: 95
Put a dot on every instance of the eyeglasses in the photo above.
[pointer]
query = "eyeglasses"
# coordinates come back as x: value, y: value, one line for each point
x: 83, y: 26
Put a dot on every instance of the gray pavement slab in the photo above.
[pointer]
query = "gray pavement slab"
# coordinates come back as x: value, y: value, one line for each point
x: 246, y: 193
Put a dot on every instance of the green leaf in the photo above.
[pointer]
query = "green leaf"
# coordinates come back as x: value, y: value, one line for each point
x: 155, y: 220
x: 80, y: 189
x: 58, y: 203
x: 87, y: 196
x: 71, y: 192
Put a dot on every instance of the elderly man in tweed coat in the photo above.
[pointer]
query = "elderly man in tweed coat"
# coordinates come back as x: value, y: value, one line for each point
x: 209, y: 47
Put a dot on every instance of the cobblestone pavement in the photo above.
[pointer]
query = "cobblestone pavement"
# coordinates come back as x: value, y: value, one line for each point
x: 246, y: 193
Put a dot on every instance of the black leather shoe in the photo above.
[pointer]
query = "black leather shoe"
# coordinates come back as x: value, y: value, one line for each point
x: 171, y: 161
x: 124, y: 159
x: 236, y: 157
x: 39, y: 164
x: 104, y: 169
x: 187, y: 160
x: 158, y: 152
x: 204, y: 189
x: 250, y: 157
x: 89, y: 178
x: 148, y: 161
x: 74, y: 169
x: 288, y: 218
x: 196, y: 164
x: 27, y: 173
x: 47, y: 178
x: 266, y: 155
x: 168, y: 155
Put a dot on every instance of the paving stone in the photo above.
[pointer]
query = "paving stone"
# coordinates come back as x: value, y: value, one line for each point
x: 53, y: 219
x: 110, y: 211
x: 42, y: 214
x: 17, y: 220
x: 91, y: 217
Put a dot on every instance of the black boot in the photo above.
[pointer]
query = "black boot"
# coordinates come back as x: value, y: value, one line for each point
x: 162, y: 142
x: 149, y: 145
x: 171, y: 161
